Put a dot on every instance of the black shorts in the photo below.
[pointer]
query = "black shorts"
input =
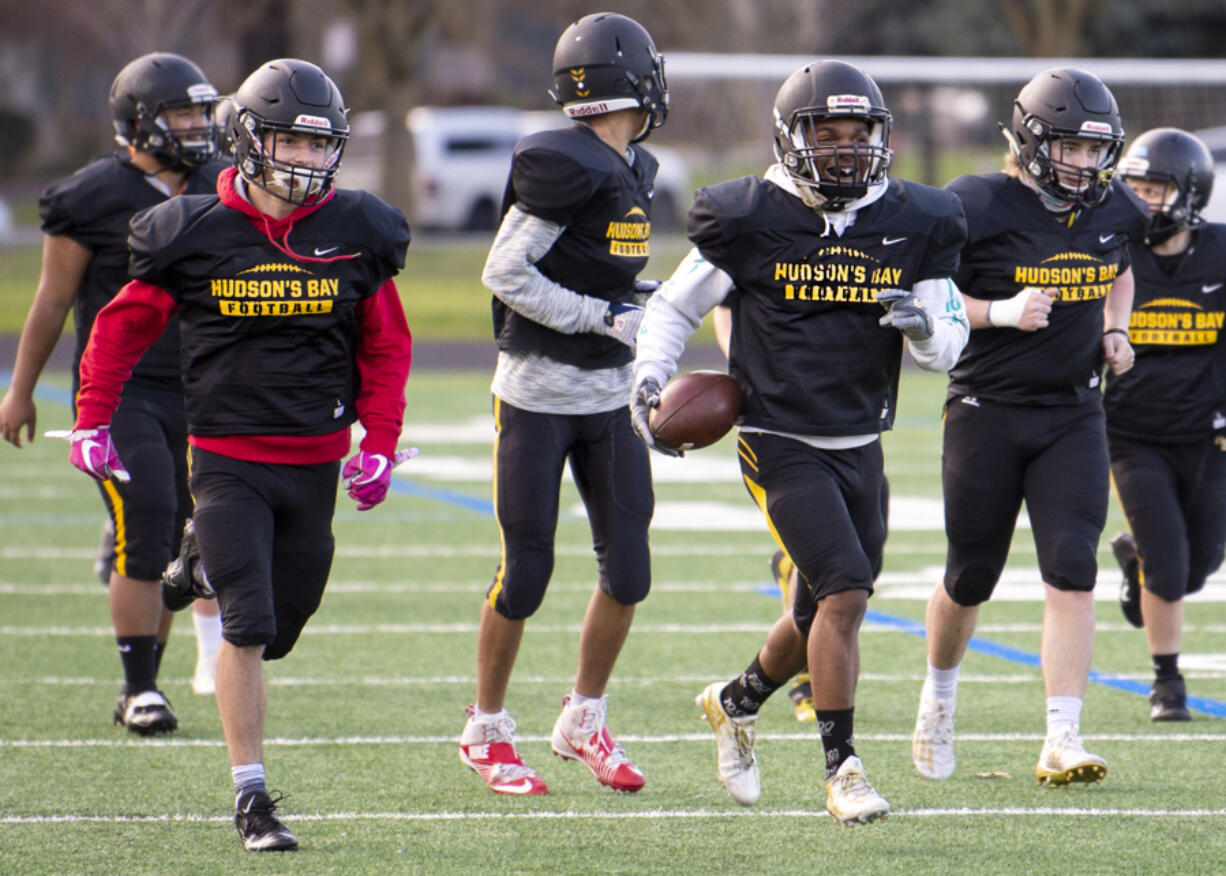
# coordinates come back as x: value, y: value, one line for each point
x: 265, y: 534
x: 826, y: 508
x: 613, y: 474
x: 149, y: 429
x: 1174, y: 497
x: 996, y: 456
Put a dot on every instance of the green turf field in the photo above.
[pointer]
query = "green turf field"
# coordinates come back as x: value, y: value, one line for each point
x: 365, y: 714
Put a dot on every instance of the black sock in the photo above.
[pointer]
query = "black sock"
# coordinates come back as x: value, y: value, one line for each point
x: 746, y: 693
x: 1166, y: 666
x: 139, y: 664
x: 159, y: 648
x: 836, y: 728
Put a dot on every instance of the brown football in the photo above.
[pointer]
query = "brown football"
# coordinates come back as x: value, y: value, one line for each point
x: 696, y: 410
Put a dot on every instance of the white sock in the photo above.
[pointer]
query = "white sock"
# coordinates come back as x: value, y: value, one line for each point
x: 942, y: 683
x: 479, y: 715
x: 208, y: 633
x: 578, y: 699
x: 248, y: 775
x: 1061, y: 712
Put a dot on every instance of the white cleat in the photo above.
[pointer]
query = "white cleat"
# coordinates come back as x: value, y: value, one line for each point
x: 851, y: 799
x: 1064, y: 760
x: 738, y: 765
x: 932, y: 746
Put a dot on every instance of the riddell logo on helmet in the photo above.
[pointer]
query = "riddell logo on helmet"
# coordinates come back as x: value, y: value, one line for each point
x: 305, y: 121
x: 201, y: 92
x: 588, y: 109
x: 857, y: 103
x: 1095, y: 128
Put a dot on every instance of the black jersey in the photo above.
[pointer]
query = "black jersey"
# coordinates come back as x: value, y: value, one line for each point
x: 807, y: 348
x: 93, y: 208
x: 1014, y: 243
x: 268, y: 339
x: 572, y: 178
x: 1176, y: 390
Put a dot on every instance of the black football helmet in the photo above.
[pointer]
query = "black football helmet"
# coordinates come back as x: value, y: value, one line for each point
x: 141, y: 93
x: 288, y: 95
x: 1184, y: 164
x: 820, y: 92
x: 606, y: 62
x: 1058, y: 103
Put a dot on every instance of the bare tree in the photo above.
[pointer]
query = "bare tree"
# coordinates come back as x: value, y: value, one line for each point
x: 1050, y: 28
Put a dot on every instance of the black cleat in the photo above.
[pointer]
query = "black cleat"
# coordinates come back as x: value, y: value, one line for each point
x: 1168, y: 701
x: 255, y: 819
x: 184, y: 580
x: 1125, y: 550
x: 146, y: 713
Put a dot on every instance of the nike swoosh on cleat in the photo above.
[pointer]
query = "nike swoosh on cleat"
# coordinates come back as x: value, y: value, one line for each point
x: 1104, y: 238
x: 1211, y: 287
x: 890, y: 241
x: 523, y: 786
x: 321, y: 252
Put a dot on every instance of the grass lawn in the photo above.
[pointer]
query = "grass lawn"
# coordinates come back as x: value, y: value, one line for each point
x: 365, y: 714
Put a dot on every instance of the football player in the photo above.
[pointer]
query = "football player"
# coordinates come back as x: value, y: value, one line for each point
x: 292, y: 330
x: 562, y: 270
x: 1166, y: 417
x: 827, y: 264
x: 161, y: 105
x: 1048, y: 290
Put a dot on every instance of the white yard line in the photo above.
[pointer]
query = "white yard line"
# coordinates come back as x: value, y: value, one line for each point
x: 606, y: 815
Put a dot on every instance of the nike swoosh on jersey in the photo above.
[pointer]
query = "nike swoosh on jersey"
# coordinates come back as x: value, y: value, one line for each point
x: 890, y: 241
x: 1105, y: 238
x: 322, y: 252
x: 1210, y: 287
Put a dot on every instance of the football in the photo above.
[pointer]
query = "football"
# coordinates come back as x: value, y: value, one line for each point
x: 696, y: 410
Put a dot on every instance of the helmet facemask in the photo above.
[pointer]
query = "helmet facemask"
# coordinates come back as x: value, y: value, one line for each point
x: 256, y: 144
x: 830, y: 176
x: 1062, y: 183
x: 182, y: 148
x: 1174, y: 213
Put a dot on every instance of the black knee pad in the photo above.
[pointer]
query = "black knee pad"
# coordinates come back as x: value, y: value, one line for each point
x: 973, y: 585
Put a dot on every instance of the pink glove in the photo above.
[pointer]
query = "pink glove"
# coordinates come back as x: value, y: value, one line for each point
x: 368, y: 475
x: 93, y: 452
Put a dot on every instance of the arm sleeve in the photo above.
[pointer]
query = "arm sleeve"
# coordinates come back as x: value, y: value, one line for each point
x: 511, y: 274
x: 951, y: 326
x: 384, y: 354
x: 675, y: 312
x: 122, y: 331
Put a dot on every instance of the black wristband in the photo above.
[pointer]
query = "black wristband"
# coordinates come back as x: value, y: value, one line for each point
x: 1118, y: 331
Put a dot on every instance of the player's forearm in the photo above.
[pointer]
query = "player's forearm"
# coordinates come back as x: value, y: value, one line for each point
x: 42, y: 330
x: 1117, y: 310
x: 511, y: 274
x: 675, y: 312
x: 951, y: 327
